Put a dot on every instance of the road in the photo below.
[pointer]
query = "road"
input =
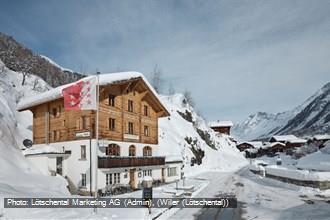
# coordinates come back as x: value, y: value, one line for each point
x: 219, y: 183
x: 258, y: 198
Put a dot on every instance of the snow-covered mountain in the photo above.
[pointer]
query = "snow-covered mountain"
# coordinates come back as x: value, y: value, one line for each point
x: 311, y: 117
x: 260, y: 125
x: 314, y: 118
x: 19, y: 58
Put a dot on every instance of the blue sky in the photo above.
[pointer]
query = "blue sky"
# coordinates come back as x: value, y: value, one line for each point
x: 236, y: 57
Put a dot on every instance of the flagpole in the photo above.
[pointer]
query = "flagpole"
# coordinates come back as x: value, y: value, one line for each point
x: 96, y: 137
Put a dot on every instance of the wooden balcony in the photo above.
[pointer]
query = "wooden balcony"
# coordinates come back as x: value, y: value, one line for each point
x: 114, y: 162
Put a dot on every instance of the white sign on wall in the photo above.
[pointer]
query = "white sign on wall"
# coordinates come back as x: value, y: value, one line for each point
x: 83, y: 134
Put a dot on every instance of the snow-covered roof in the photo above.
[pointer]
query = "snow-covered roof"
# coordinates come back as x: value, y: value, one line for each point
x: 104, y: 79
x: 322, y: 137
x: 221, y: 123
x: 41, y: 150
x: 276, y: 143
x: 288, y: 138
x: 255, y: 144
x: 173, y: 158
x: 298, y: 140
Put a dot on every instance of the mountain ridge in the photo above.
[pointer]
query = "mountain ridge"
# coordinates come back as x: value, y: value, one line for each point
x: 298, y: 121
x: 19, y: 58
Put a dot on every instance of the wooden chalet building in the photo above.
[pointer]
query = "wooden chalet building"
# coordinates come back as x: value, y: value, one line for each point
x: 221, y: 127
x: 64, y: 141
x: 320, y: 139
x: 244, y: 146
x: 290, y: 141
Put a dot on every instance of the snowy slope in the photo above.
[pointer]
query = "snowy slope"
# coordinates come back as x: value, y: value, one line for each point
x: 314, y: 118
x: 55, y: 64
x: 174, y: 130
x: 15, y: 127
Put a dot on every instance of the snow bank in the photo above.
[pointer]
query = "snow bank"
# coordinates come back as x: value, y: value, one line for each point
x: 174, y: 130
x: 304, y: 175
x: 319, y: 160
x: 40, y: 150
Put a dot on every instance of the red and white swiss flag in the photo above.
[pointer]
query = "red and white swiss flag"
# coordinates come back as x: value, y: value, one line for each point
x: 80, y: 95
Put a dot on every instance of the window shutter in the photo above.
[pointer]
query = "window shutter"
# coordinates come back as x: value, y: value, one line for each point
x: 81, y: 123
x: 78, y: 123
x: 88, y: 122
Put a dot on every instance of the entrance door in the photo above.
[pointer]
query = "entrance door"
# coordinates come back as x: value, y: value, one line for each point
x: 163, y: 175
x: 59, y: 165
x: 132, y: 178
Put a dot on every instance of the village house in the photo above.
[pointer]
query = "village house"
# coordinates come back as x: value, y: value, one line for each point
x: 320, y: 139
x: 259, y: 148
x: 251, y: 148
x: 221, y: 127
x: 290, y: 141
x: 275, y: 147
x: 64, y: 140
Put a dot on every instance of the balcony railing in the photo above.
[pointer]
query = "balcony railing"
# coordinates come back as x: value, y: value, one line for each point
x: 114, y: 162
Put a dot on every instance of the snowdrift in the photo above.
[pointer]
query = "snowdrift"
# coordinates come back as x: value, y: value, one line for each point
x: 319, y: 160
x: 17, y: 176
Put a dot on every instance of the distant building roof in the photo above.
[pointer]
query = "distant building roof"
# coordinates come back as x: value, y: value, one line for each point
x: 276, y: 143
x: 288, y: 138
x: 320, y: 137
x: 254, y: 144
x: 221, y: 123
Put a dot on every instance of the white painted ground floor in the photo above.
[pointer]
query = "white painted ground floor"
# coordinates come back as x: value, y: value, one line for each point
x: 117, y: 167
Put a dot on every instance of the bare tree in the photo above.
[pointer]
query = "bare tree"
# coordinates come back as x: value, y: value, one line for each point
x: 157, y: 79
x: 24, y: 77
x: 26, y: 68
x: 189, y: 98
x: 35, y: 83
x: 171, y: 90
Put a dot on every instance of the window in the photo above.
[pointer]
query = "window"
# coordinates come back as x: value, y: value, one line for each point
x: 130, y: 128
x: 83, y: 123
x: 147, y: 172
x: 131, y: 151
x: 130, y: 105
x: 113, y: 150
x: 112, y: 124
x: 83, y: 152
x: 112, y: 178
x: 108, y: 179
x: 54, y: 112
x: 146, y: 131
x: 147, y: 151
x: 56, y: 135
x: 112, y: 99
x: 171, y: 171
x: 145, y: 110
x: 83, y: 180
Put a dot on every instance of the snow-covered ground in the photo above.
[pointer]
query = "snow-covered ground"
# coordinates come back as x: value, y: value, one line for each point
x: 319, y: 160
x: 259, y: 198
x: 17, y: 176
